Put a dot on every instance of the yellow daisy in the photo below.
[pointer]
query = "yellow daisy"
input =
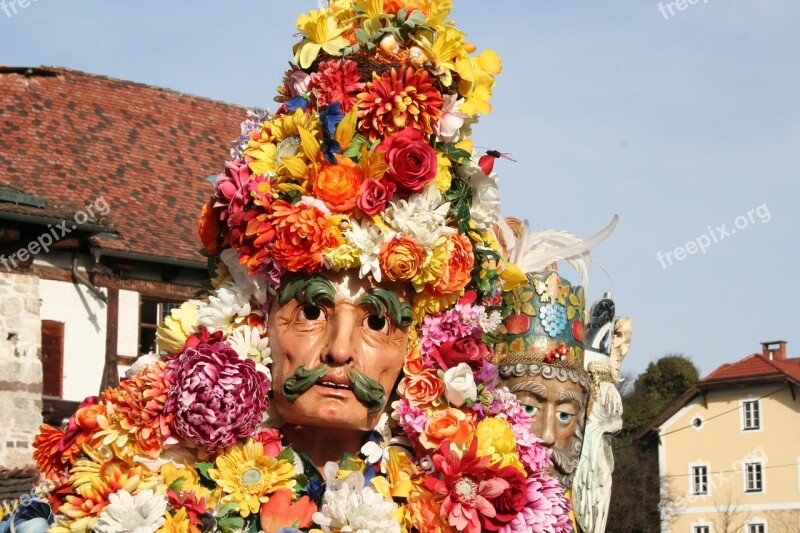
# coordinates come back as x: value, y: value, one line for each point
x: 248, y: 476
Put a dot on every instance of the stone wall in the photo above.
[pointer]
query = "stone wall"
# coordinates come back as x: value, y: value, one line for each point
x: 20, y: 368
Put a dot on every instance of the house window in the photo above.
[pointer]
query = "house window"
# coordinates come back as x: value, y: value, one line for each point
x: 756, y: 528
x: 751, y: 415
x: 700, y: 480
x: 754, y: 481
x: 701, y: 529
x: 151, y: 314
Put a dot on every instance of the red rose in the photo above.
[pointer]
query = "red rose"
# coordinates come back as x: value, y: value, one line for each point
x: 271, y: 439
x: 510, y: 502
x: 375, y: 195
x: 412, y: 161
x: 465, y: 350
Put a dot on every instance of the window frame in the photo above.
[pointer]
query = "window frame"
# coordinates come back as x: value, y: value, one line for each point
x: 161, y: 313
x: 758, y: 522
x: 697, y: 465
x: 746, y: 477
x: 754, y: 422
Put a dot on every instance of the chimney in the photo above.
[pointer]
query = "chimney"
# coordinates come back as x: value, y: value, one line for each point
x: 774, y: 350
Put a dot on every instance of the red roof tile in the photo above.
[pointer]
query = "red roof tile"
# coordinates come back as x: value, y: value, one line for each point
x: 72, y: 138
x: 755, y: 365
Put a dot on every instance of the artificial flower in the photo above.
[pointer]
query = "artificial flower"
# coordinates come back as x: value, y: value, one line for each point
x: 459, y: 385
x: 400, y: 259
x: 336, y: 81
x: 227, y: 306
x: 469, y: 349
x: 338, y: 185
x: 423, y: 388
x: 280, y: 511
x: 496, y: 439
x: 143, y: 513
x: 411, y: 160
x: 421, y: 217
x: 320, y: 32
x: 252, y: 343
x: 232, y: 189
x: 248, y: 476
x: 400, y: 99
x: 284, y: 146
x: 182, y: 322
x: 448, y: 424
x: 456, y: 272
x: 215, y: 396
x: 375, y: 195
x: 348, y: 505
x: 477, y: 81
x: 178, y: 522
x: 368, y: 240
x: 303, y: 233
x: 209, y: 228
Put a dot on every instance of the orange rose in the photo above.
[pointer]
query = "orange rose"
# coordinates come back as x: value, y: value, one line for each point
x: 456, y: 270
x: 401, y: 258
x: 448, y: 424
x: 423, y: 388
x: 302, y: 234
x: 209, y: 228
x: 413, y: 363
x: 338, y: 185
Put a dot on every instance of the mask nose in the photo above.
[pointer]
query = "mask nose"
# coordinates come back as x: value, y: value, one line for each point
x: 341, y: 339
x: 548, y: 433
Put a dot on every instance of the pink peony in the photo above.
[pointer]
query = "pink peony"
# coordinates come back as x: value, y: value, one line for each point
x: 232, y: 188
x: 547, y: 510
x: 216, y: 397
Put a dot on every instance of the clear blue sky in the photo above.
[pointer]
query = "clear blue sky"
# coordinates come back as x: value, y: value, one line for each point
x: 679, y: 123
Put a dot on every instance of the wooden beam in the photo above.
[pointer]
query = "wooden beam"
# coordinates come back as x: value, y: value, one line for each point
x: 110, y: 371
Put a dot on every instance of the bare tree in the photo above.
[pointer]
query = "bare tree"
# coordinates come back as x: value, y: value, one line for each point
x: 729, y: 518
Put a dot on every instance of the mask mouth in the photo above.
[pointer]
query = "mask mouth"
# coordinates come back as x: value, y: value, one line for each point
x: 335, y: 383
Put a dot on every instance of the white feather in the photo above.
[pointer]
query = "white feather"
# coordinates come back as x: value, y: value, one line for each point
x: 534, y: 251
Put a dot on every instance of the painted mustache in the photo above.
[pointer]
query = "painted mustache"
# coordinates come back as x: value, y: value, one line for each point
x: 368, y: 391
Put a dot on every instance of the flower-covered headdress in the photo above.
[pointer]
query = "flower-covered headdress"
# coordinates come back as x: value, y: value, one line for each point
x: 366, y: 166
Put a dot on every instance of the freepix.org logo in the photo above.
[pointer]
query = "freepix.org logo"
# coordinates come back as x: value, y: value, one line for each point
x: 90, y: 213
x: 702, y: 242
x: 12, y: 7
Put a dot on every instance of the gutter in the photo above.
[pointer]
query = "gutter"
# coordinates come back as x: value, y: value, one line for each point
x: 35, y: 219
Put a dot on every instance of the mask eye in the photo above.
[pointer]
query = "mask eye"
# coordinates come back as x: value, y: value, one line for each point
x: 530, y: 410
x: 311, y: 313
x: 564, y: 417
x: 377, y: 323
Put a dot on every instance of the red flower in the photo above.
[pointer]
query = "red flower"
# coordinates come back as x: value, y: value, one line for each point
x: 398, y: 100
x: 337, y: 81
x: 411, y: 160
x: 468, y: 485
x: 279, y: 512
x: 375, y: 195
x: 271, y: 439
x: 303, y: 233
x: 509, y: 502
x: 464, y: 350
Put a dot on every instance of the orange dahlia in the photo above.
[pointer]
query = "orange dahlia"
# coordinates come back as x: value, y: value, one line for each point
x: 302, y: 234
x: 49, y: 460
x: 249, y: 232
x: 397, y: 100
x: 136, y: 410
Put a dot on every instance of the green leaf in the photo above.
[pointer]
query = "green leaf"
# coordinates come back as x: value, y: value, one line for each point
x: 230, y: 524
x: 287, y: 454
x: 177, y: 485
x: 354, y: 150
x: 401, y: 16
x: 350, y: 50
x: 227, y: 509
x: 416, y: 19
x: 362, y: 35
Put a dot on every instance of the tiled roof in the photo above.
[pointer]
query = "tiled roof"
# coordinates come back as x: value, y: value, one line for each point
x: 73, y: 138
x: 755, y: 365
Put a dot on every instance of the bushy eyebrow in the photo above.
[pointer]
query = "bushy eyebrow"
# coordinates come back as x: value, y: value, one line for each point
x: 386, y: 302
x: 567, y: 395
x: 534, y: 387
x: 309, y: 290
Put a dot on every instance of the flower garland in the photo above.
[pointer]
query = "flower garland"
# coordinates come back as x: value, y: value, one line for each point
x: 366, y: 166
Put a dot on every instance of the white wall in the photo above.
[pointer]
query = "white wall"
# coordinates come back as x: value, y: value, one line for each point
x: 84, y: 318
x: 128, y: 325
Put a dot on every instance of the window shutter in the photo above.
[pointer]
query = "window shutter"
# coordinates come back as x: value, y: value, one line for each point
x: 52, y: 357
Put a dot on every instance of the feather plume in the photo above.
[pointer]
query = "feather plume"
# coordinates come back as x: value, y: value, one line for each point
x: 534, y: 251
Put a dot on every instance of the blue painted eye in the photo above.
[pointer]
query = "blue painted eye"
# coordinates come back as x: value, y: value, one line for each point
x: 530, y: 410
x: 564, y: 417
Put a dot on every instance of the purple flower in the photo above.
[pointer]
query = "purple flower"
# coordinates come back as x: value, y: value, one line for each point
x: 216, y: 397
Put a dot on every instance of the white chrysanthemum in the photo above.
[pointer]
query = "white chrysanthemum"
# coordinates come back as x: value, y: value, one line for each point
x: 490, y: 322
x: 421, y: 217
x: 367, y: 238
x: 249, y: 343
x: 226, y: 306
x: 485, y: 195
x: 350, y: 506
x: 143, y: 513
x: 256, y: 283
